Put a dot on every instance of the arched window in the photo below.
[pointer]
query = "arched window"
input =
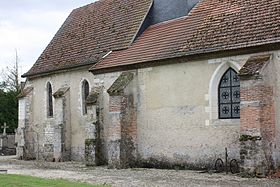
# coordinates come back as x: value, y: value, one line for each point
x: 229, y: 95
x: 85, y: 93
x: 49, y: 100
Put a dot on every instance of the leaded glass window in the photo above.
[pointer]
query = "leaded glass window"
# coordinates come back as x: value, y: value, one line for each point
x: 49, y: 100
x: 229, y: 95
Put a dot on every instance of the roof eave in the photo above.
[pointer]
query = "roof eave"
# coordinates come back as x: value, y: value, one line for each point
x: 45, y: 73
x: 192, y: 57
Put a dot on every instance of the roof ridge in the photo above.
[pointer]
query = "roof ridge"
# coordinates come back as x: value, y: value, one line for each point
x: 89, y: 32
x: 97, y: 1
x: 209, y: 28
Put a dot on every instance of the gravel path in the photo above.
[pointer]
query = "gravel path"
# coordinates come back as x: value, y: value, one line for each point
x: 129, y: 177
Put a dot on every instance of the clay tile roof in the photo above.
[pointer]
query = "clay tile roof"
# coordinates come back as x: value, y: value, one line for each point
x: 212, y: 26
x: 60, y: 92
x: 254, y: 65
x: 90, y: 32
x: 92, y: 98
x: 122, y: 81
x: 25, y: 92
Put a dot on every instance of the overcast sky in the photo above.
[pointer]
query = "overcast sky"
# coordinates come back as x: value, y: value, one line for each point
x: 29, y: 25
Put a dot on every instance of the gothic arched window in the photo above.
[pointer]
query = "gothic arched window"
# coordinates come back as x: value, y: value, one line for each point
x: 49, y: 100
x: 229, y: 95
x: 85, y: 93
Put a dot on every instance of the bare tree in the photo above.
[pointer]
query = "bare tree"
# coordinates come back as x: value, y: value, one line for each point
x: 10, y: 76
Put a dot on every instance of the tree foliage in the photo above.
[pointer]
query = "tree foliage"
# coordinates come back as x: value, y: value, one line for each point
x: 8, y: 109
x: 9, y: 90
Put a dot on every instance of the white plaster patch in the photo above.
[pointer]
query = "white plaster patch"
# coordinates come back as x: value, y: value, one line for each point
x: 49, y: 130
x: 90, y: 130
x: 22, y: 110
x: 207, y: 109
x: 214, y: 61
x: 206, y: 97
x: 239, y: 58
x: 207, y: 122
x: 49, y: 135
x: 185, y: 110
x: 145, y: 70
x: 98, y: 82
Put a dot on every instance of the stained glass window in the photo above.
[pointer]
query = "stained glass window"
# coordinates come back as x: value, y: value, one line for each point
x: 229, y: 95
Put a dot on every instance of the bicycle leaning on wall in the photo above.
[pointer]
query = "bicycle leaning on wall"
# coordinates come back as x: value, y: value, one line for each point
x: 229, y: 165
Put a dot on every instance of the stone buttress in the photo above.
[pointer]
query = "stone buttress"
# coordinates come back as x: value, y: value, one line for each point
x: 62, y: 127
x: 122, y: 146
x: 257, y: 140
x: 25, y: 134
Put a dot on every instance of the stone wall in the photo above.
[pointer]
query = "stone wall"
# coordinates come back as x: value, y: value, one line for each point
x: 176, y: 115
x: 166, y: 116
x: 25, y: 135
x: 257, y: 127
x: 276, y: 90
x: 129, y: 132
x: 67, y: 112
x: 7, y: 144
x: 11, y: 141
x: 122, y: 149
x: 174, y: 128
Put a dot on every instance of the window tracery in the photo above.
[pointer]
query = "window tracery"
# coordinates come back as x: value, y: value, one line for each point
x: 229, y: 95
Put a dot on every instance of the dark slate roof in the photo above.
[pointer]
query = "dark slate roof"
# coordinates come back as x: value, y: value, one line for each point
x: 122, y: 81
x: 90, y: 32
x: 254, y: 65
x: 211, y: 26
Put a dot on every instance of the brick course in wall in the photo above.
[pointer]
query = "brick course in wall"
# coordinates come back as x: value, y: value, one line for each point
x: 115, y: 103
x: 257, y: 126
x: 123, y: 129
x: 128, y: 132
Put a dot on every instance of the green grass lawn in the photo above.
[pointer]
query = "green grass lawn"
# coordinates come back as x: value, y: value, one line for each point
x: 27, y: 181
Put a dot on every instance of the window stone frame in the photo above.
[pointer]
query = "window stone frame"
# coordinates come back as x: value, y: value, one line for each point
x: 212, y: 97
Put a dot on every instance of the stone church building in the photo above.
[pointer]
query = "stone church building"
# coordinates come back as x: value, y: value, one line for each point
x: 158, y: 83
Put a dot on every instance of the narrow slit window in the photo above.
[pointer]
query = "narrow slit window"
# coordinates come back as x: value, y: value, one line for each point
x: 85, y: 93
x: 229, y: 95
x: 49, y: 100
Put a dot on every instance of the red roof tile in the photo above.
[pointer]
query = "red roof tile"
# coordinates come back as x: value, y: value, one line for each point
x: 254, y: 64
x: 213, y: 25
x: 90, y: 32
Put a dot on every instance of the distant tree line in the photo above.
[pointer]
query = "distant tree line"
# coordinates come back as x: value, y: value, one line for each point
x: 9, y: 90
